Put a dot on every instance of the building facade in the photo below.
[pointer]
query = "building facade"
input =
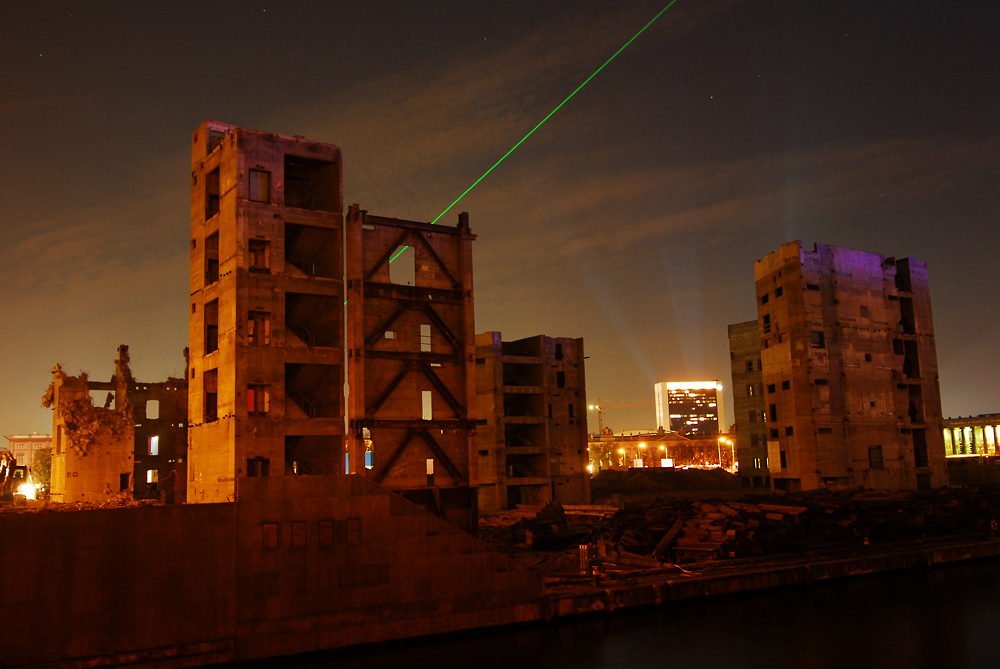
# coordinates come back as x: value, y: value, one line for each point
x: 693, y: 409
x: 267, y: 318
x: 849, y: 370
x: 318, y: 345
x: 531, y: 436
x: 24, y: 446
x: 972, y: 436
x: 748, y: 405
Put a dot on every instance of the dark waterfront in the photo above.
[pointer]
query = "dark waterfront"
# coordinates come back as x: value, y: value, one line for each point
x: 947, y: 617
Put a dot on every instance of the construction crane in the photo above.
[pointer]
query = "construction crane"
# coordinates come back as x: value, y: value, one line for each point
x: 613, y: 403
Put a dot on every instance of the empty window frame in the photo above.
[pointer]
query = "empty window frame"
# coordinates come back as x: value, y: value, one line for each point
x: 817, y: 339
x: 154, y: 445
x: 260, y: 186
x: 211, y: 326
x: 259, y: 256
x: 259, y: 328
x: 258, y: 466
x: 213, y: 194
x: 152, y: 409
x: 212, y: 258
x: 210, y: 382
x: 258, y: 398
x: 875, y: 457
x: 560, y: 379
x: 425, y: 337
x: 559, y: 351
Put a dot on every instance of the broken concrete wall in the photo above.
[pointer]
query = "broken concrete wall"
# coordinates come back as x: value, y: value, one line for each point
x: 148, y: 420
x: 92, y: 447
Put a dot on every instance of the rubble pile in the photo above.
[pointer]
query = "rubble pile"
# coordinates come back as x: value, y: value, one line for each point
x: 819, y: 523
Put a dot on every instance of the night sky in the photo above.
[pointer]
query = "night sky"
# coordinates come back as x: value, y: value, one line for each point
x: 632, y: 218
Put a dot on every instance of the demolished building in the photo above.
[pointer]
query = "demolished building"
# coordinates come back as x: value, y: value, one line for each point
x: 531, y: 437
x: 134, y: 445
x: 849, y: 370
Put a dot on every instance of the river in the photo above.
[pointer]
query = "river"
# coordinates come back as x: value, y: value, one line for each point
x: 946, y: 617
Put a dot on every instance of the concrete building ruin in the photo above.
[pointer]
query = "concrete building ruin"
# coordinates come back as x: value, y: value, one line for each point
x: 849, y: 370
x: 289, y: 303
x: 410, y: 343
x: 532, y: 431
x: 136, y: 443
x: 267, y: 321
x: 748, y: 404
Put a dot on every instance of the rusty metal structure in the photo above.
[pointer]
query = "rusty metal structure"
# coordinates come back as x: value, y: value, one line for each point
x: 411, y: 349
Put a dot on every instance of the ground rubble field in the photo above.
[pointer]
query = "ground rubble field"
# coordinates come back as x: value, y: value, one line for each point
x: 34, y: 506
x: 685, y: 528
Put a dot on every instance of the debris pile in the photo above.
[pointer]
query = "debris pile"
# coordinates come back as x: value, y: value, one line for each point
x: 826, y: 523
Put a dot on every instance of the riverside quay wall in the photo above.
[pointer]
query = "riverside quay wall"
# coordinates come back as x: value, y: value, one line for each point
x: 297, y: 564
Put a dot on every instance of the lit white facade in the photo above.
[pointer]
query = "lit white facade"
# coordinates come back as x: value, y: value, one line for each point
x: 690, y: 408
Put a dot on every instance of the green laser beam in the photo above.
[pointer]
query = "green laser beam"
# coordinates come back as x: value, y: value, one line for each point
x: 568, y: 97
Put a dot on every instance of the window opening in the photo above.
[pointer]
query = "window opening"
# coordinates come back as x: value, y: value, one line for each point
x: 875, y: 457
x: 212, y: 194
x: 311, y: 184
x: 260, y: 186
x: 427, y: 405
x: 402, y: 270
x: 559, y: 352
x: 259, y: 328
x: 212, y: 258
x: 211, y: 326
x: 258, y: 398
x: 258, y: 466
x: 817, y: 339
x: 154, y: 445
x: 425, y: 337
x: 153, y: 409
x: 210, y: 381
x: 259, y: 252
x: 561, y: 379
